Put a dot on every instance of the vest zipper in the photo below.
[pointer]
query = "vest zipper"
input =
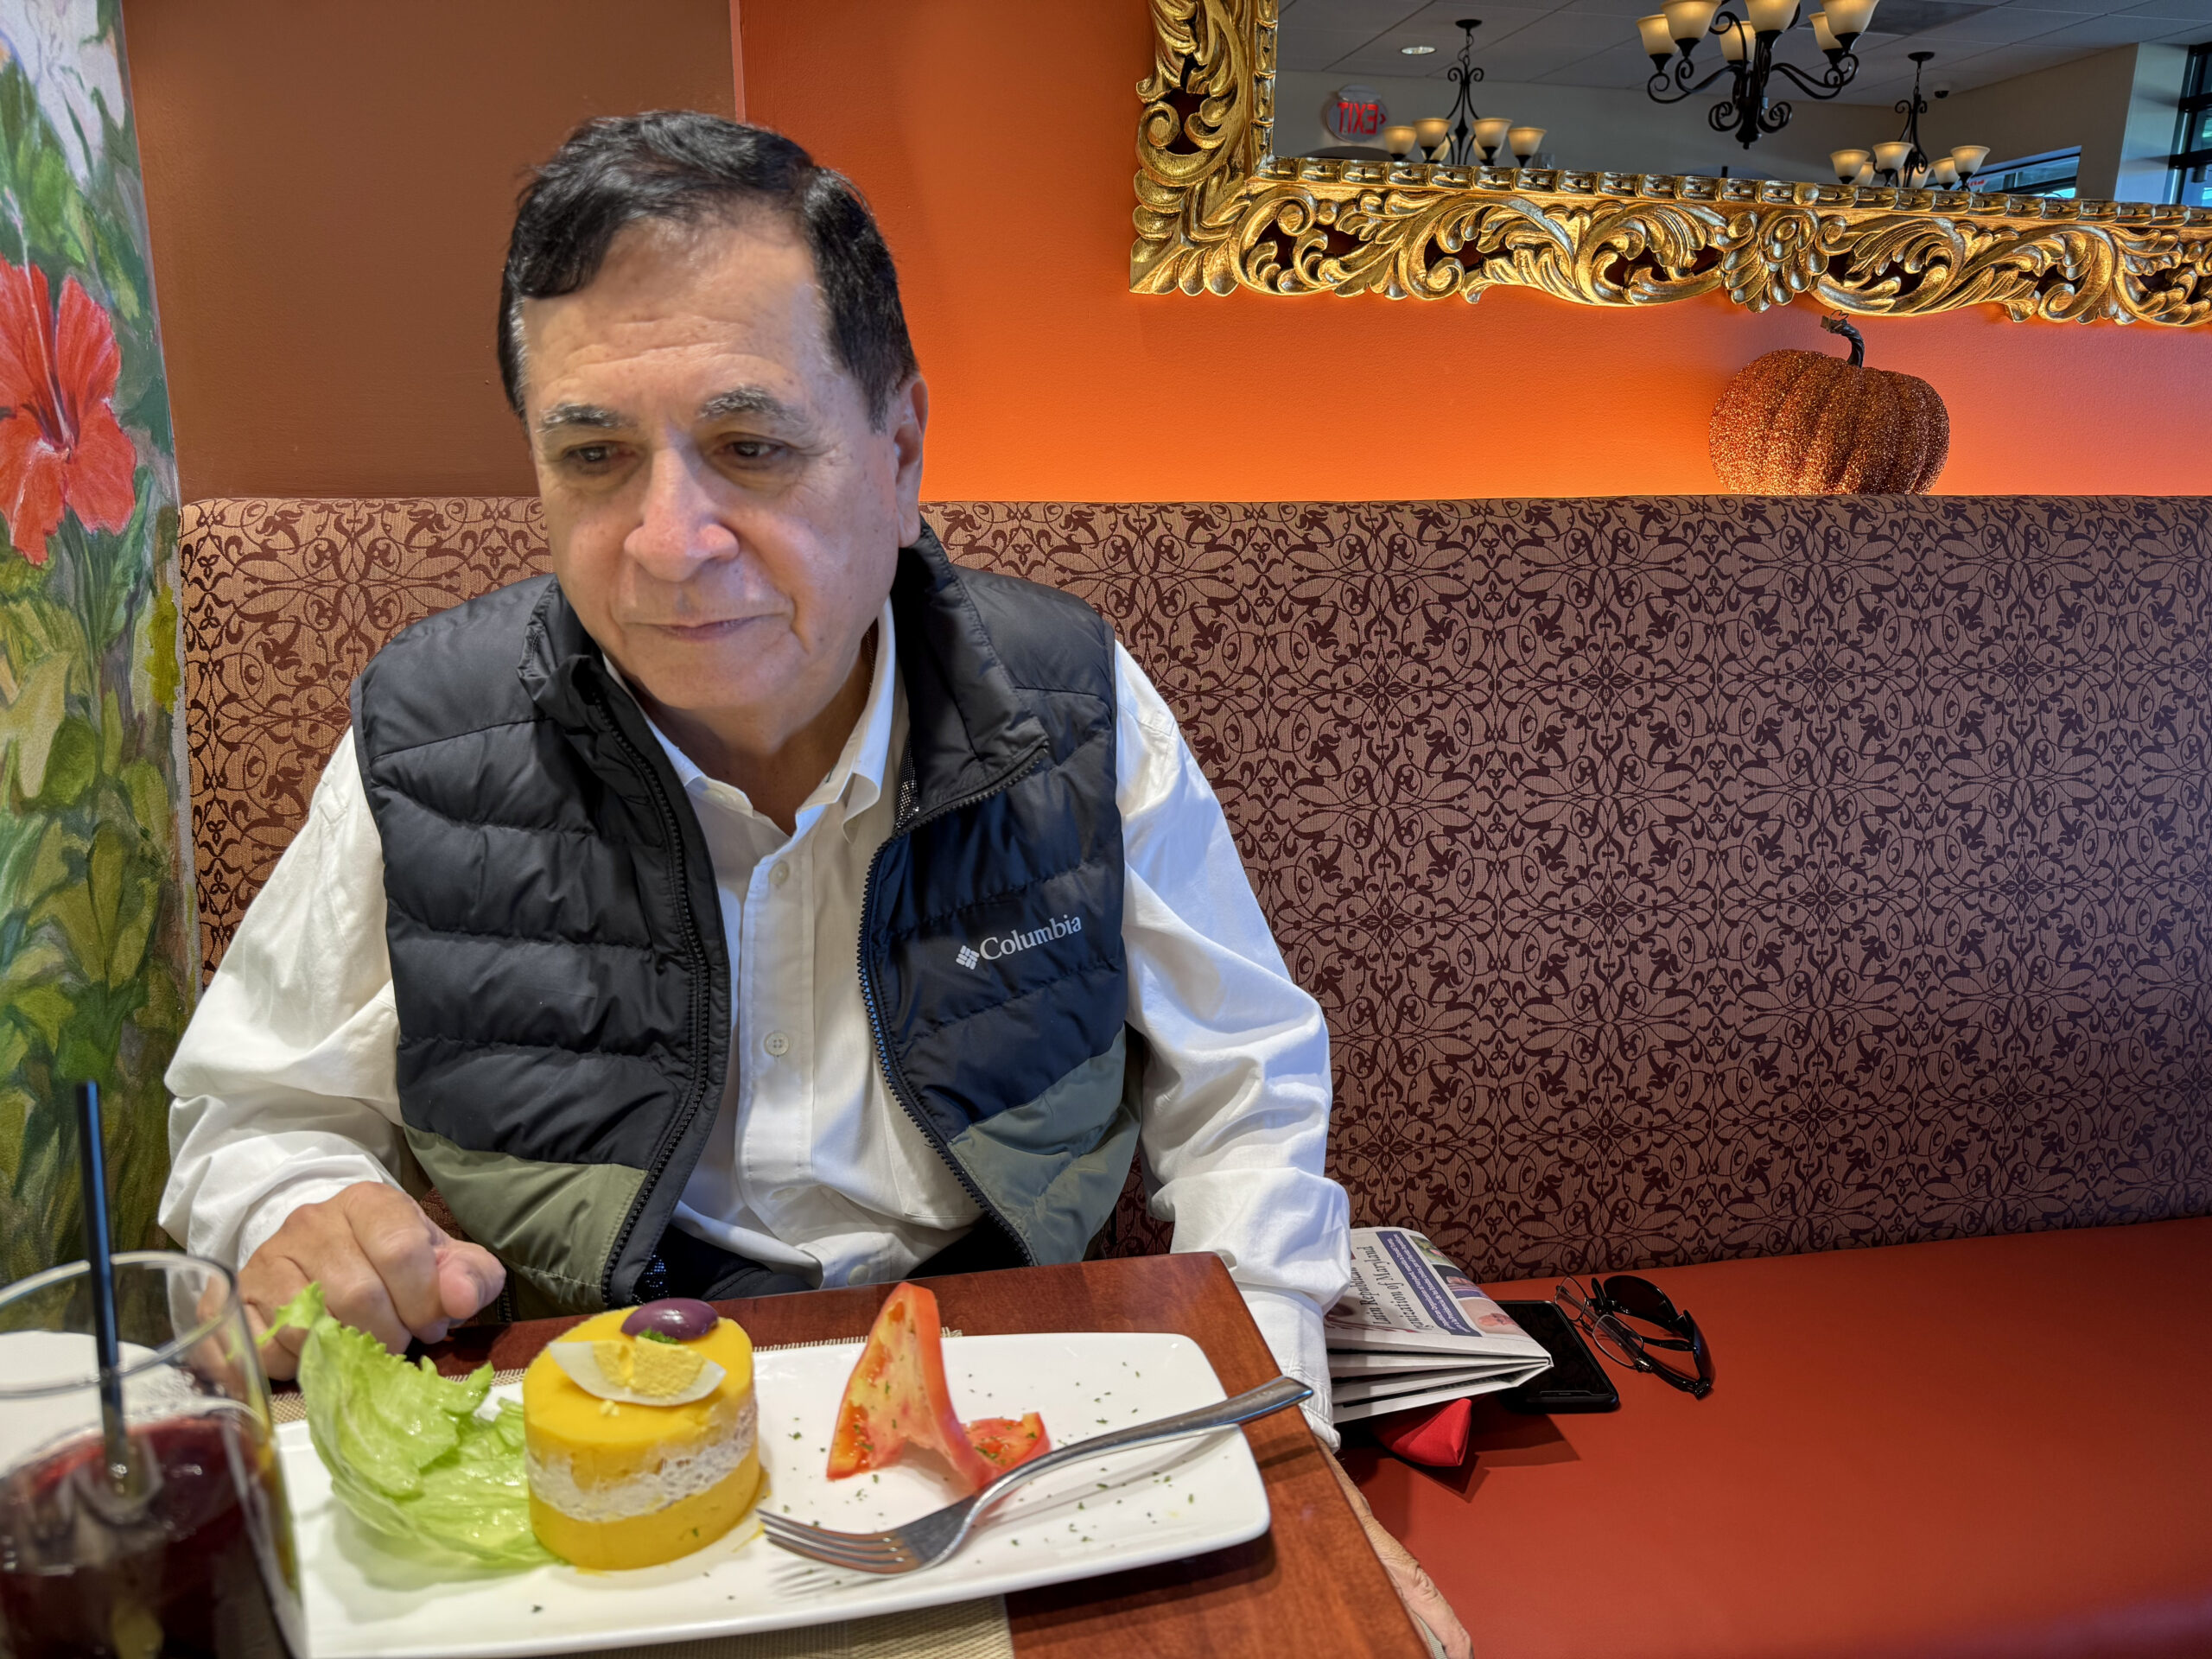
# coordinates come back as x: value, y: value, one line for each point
x: 894, y: 1077
x: 696, y: 947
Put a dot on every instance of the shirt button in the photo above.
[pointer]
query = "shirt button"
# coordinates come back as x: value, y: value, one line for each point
x: 783, y: 873
x: 856, y: 1275
x: 776, y: 1044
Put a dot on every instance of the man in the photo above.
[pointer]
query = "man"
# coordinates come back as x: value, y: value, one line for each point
x: 570, y: 930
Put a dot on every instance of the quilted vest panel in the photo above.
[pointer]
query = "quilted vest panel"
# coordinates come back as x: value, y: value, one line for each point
x: 559, y: 964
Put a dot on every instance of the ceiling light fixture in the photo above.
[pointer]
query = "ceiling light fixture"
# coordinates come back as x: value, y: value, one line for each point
x: 1471, y: 133
x: 1900, y: 161
x: 1417, y: 51
x: 1747, y: 52
x: 1457, y: 138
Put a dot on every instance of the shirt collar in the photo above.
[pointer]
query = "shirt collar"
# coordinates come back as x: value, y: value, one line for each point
x: 857, y: 776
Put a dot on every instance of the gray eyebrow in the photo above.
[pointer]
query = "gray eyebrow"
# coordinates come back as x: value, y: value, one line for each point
x: 739, y: 400
x: 747, y: 400
x: 589, y: 415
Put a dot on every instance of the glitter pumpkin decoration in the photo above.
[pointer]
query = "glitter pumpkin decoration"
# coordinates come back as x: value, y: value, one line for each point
x: 1806, y: 423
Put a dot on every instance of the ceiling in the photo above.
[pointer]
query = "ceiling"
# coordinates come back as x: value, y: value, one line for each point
x: 1593, y: 42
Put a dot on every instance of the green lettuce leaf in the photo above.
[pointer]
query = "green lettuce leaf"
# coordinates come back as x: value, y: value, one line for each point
x: 407, y: 1453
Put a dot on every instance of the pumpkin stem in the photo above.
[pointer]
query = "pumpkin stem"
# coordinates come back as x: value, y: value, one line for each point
x: 1842, y: 326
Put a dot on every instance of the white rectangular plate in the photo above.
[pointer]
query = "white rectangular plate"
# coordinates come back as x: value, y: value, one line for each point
x: 1129, y: 1510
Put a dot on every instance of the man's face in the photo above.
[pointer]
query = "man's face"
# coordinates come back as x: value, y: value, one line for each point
x: 724, y: 516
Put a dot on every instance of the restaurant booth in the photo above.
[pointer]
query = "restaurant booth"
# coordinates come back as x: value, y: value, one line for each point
x: 1747, y: 822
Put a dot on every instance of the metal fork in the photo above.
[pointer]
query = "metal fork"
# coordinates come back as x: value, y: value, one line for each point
x: 936, y: 1535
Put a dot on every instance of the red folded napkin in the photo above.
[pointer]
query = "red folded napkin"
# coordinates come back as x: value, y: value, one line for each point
x: 1435, y: 1435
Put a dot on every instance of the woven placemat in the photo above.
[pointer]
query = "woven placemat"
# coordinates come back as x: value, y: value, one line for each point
x: 964, y: 1630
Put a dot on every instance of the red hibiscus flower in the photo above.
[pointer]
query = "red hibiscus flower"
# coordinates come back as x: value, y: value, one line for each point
x: 60, y: 445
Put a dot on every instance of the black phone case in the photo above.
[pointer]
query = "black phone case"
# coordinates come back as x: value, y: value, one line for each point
x: 1575, y: 1383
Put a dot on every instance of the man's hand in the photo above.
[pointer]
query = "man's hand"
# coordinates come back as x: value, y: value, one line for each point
x: 385, y: 1267
x: 1414, y: 1587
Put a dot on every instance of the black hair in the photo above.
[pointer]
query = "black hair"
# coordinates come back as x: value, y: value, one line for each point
x: 682, y: 167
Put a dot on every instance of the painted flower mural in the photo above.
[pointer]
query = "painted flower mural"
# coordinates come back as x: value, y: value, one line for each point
x: 96, y: 949
x: 60, y: 444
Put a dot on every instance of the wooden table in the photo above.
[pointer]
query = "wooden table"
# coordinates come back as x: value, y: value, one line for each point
x: 1309, y: 1585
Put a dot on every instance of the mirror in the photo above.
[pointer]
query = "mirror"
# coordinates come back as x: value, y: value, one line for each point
x: 2063, y: 99
x: 1429, y: 151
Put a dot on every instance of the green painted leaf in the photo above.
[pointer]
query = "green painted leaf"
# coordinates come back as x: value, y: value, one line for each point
x: 149, y: 794
x: 53, y: 864
x: 71, y: 765
x: 18, y: 576
x: 133, y: 926
x: 164, y: 1012
x: 46, y: 1007
x: 112, y: 734
x: 162, y: 633
x: 88, y: 910
x: 33, y: 721
x: 14, y: 1118
x: 36, y: 958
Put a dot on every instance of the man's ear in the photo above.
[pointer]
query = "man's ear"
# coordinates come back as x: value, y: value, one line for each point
x: 908, y: 419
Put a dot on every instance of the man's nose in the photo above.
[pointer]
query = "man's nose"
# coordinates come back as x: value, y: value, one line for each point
x: 680, y: 526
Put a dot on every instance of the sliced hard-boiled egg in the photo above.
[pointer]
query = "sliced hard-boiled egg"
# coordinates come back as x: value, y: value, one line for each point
x: 638, y: 1373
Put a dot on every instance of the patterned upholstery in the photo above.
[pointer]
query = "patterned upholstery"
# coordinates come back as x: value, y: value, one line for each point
x: 1682, y: 878
x: 284, y: 601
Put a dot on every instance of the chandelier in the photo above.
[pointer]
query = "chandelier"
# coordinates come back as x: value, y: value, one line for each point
x: 1461, y: 136
x: 1747, y: 54
x: 1902, y: 161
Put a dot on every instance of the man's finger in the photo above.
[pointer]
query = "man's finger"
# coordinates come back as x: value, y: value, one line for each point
x: 399, y: 1244
x: 280, y: 1354
x: 470, y: 1278
x: 265, y: 1284
x: 354, y: 1293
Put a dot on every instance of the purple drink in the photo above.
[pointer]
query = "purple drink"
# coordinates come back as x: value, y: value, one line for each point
x: 189, y: 1553
x: 183, y: 1572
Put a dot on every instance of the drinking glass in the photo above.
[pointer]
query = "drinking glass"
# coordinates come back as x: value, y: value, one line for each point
x: 189, y: 1554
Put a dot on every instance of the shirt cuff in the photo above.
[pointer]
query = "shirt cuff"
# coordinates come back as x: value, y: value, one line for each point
x: 1292, y: 1326
x: 263, y: 1221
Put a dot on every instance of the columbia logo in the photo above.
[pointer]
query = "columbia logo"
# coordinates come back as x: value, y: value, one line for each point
x: 1005, y: 945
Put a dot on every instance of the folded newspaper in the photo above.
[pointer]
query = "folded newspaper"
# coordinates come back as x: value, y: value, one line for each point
x: 1414, y: 1331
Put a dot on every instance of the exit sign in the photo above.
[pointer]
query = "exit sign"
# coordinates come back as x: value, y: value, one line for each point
x: 1354, y: 113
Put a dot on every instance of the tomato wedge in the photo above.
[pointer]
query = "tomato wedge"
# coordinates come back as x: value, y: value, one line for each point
x: 896, y: 1397
x: 1008, y: 1442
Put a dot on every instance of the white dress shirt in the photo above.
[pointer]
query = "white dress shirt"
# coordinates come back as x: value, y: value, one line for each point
x: 285, y: 1080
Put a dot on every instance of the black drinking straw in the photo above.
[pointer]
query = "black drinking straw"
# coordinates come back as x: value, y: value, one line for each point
x: 112, y: 1430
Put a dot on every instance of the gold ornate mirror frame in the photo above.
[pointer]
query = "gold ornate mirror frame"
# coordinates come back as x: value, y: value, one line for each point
x: 1217, y: 211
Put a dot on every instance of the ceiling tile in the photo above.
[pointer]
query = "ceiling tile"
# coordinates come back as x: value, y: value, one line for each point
x: 2088, y: 35
x: 1316, y: 50
x: 1502, y: 24
x: 2192, y: 11
x: 1998, y: 26
x: 1372, y: 16
x: 2004, y: 62
x: 1623, y: 67
x: 1441, y: 17
x: 1629, y: 9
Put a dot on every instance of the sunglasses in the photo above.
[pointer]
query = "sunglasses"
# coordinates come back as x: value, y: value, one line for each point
x: 1604, y: 1317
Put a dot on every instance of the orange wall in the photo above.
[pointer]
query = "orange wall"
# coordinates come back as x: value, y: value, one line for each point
x: 330, y: 189
x: 995, y: 139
